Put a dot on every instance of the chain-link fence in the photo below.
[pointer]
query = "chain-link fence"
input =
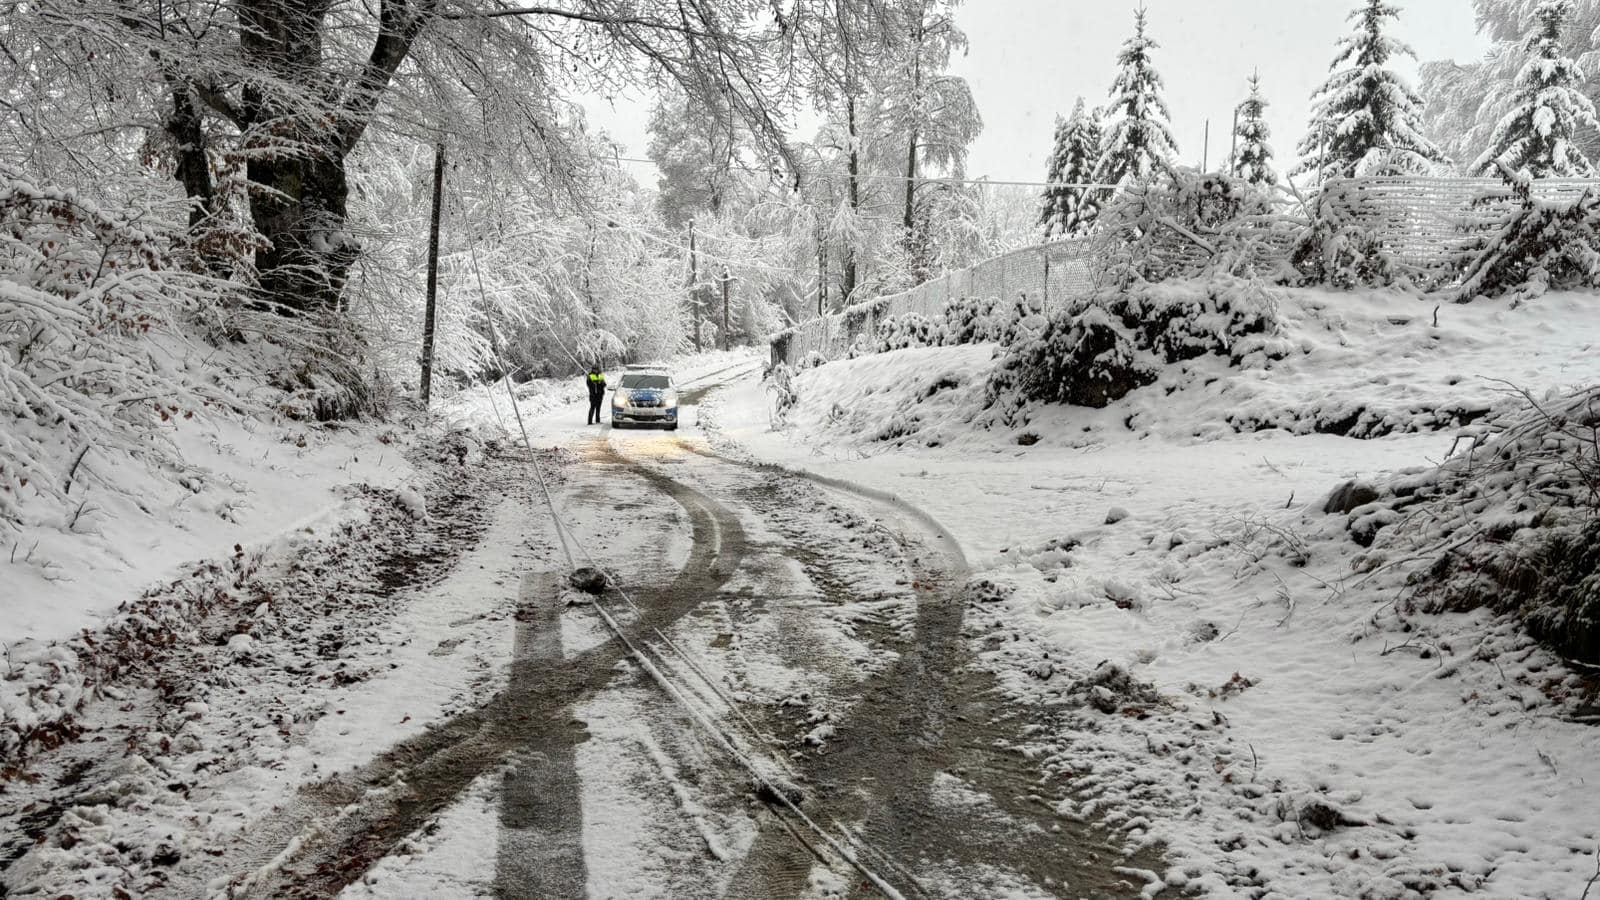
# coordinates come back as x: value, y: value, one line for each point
x: 1048, y: 274
x: 1424, y: 223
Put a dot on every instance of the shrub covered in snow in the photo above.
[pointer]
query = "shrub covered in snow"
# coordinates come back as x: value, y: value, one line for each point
x: 1511, y: 523
x: 1099, y: 350
x: 901, y: 332
x: 785, y: 396
x: 1178, y: 321
x: 1087, y: 358
x: 982, y: 320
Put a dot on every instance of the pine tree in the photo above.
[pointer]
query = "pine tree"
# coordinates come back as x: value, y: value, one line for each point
x: 1138, y: 142
x: 1547, y: 108
x: 1252, y: 161
x: 1365, y: 119
x: 1071, y: 210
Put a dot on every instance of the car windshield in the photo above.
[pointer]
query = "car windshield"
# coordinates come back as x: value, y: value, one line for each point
x: 648, y: 382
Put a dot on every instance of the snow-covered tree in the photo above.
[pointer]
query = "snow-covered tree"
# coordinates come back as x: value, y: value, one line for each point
x: 1466, y: 101
x: 1068, y: 210
x: 1138, y: 141
x: 1252, y: 161
x: 1365, y: 119
x: 1537, y: 134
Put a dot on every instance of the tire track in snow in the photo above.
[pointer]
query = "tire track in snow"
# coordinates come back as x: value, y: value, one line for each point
x: 934, y: 716
x: 335, y: 830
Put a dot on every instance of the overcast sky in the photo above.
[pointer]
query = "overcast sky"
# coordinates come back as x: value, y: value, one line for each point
x: 1029, y: 59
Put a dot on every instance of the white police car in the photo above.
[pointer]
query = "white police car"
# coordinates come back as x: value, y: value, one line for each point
x: 646, y: 395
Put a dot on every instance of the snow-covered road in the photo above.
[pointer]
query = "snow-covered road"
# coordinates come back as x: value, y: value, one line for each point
x: 779, y: 702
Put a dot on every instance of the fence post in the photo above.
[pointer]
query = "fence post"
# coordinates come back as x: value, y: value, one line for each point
x: 1044, y: 293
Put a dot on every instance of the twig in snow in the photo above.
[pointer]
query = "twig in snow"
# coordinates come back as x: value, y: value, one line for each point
x: 1290, y: 502
x: 1225, y: 635
x: 73, y: 469
x: 1254, y: 762
x: 1593, y: 878
x: 1545, y: 758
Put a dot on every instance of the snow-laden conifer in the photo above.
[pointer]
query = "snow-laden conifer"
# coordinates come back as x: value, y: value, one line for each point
x: 1365, y: 119
x: 1252, y: 161
x: 1068, y: 208
x: 1548, y: 108
x: 1138, y: 140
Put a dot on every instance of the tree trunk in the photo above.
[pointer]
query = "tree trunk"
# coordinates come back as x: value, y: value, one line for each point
x: 189, y: 140
x: 299, y: 204
x: 854, y: 165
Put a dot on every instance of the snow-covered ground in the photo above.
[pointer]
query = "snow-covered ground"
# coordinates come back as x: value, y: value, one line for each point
x: 1303, y: 739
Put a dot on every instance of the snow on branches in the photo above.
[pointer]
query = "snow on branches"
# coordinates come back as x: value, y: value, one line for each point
x: 1338, y: 247
x: 1181, y: 223
x: 1549, y: 108
x: 92, y: 361
x: 1365, y: 119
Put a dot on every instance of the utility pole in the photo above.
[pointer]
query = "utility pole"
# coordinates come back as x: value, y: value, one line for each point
x: 1205, y: 148
x: 822, y: 274
x: 433, y: 275
x: 1233, y: 153
x: 725, y: 279
x: 694, y: 289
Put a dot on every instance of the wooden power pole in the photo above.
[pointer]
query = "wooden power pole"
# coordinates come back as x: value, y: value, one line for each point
x: 429, y: 311
x: 725, y: 279
x: 694, y: 289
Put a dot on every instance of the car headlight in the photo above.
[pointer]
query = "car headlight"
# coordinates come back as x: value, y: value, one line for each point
x: 670, y: 398
x: 620, y: 398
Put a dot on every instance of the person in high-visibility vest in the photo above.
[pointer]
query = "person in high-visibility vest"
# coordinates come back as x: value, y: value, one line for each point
x: 597, y: 393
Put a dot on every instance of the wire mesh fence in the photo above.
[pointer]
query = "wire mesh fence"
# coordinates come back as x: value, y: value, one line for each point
x: 1426, y: 223
x: 1423, y: 223
x: 1048, y: 275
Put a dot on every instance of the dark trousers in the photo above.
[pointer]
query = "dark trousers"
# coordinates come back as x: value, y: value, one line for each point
x: 594, y: 410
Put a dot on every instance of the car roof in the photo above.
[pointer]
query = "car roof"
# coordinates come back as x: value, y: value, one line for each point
x: 646, y: 367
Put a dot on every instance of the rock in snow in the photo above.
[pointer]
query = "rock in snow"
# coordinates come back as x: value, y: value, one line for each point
x: 1349, y: 496
x: 588, y: 580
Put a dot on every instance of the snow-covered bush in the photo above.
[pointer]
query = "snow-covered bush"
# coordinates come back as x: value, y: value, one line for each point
x: 1338, y: 248
x: 967, y: 320
x: 1541, y: 246
x: 785, y: 395
x: 812, y: 360
x: 984, y: 320
x: 94, y: 358
x: 1086, y: 358
x: 1511, y: 523
x: 1100, y: 349
x: 1182, y: 223
x: 902, y: 332
x: 1222, y: 316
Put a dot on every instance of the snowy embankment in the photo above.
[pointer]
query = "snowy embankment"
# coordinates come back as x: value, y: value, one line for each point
x: 147, y: 556
x: 1238, y: 679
